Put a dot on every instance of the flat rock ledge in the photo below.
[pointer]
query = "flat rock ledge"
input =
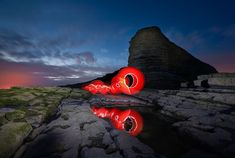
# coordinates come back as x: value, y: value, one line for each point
x: 205, y: 115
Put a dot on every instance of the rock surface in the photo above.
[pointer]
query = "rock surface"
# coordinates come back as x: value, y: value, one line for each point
x: 190, y: 122
x: 12, y: 136
x: 205, y: 116
x: 163, y: 63
x: 219, y: 80
x: 29, y: 108
x: 77, y: 132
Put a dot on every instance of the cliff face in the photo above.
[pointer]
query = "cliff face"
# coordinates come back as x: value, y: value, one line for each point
x: 164, y: 64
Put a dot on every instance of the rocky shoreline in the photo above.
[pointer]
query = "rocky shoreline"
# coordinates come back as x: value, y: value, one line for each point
x: 185, y: 123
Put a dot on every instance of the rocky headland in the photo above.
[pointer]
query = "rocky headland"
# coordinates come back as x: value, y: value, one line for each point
x: 164, y: 64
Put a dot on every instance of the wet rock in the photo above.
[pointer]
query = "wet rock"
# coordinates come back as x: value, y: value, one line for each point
x: 131, y: 146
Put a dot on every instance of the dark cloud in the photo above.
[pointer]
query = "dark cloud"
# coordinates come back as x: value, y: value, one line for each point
x: 10, y: 39
x: 20, y: 48
x: 61, y: 41
x: 85, y: 57
x: 14, y: 44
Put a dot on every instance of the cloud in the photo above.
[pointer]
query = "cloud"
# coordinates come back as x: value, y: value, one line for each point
x: 49, y: 51
x: 10, y: 39
x: 85, y: 58
x: 30, y: 61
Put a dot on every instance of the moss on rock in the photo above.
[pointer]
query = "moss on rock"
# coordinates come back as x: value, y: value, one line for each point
x: 11, y: 137
x: 3, y: 120
x: 79, y: 93
x: 9, y: 101
x: 15, y: 115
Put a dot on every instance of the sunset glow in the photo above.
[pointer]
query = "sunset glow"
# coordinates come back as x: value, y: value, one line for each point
x: 11, y: 79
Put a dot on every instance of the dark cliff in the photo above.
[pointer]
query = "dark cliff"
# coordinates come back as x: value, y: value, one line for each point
x: 164, y: 64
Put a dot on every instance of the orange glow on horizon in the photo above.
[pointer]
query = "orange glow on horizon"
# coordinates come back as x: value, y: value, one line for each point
x: 13, y: 79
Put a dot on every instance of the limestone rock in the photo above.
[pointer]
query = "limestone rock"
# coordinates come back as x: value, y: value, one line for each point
x: 223, y: 80
x: 82, y: 135
x: 18, y: 114
x: 163, y: 63
x: 12, y: 136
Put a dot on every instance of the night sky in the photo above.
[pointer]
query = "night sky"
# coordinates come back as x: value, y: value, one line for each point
x: 60, y: 42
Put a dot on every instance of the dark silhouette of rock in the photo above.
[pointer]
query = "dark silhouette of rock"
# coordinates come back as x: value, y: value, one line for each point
x: 106, y: 79
x: 163, y: 63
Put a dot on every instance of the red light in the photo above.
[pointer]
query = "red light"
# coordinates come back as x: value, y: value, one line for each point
x: 129, y: 80
x: 128, y: 120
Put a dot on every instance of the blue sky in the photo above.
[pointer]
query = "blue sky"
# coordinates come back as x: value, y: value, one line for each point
x: 69, y: 41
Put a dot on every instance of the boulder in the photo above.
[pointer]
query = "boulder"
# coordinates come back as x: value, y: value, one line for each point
x: 164, y: 64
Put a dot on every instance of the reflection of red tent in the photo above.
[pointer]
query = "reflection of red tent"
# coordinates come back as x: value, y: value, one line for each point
x: 128, y: 120
x: 129, y: 80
